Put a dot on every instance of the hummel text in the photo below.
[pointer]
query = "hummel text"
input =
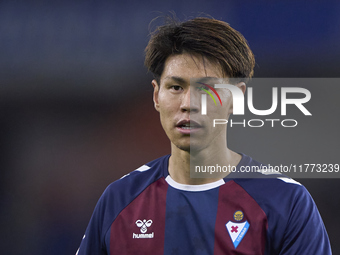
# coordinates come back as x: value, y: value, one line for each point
x: 143, y: 235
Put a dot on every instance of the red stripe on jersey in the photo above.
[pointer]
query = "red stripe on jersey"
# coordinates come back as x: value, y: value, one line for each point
x: 139, y: 228
x: 233, y: 198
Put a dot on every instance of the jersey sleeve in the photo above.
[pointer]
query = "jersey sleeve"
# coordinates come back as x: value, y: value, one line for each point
x: 93, y: 242
x: 305, y: 232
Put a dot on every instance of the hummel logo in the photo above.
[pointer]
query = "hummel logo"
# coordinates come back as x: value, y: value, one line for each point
x: 143, y: 225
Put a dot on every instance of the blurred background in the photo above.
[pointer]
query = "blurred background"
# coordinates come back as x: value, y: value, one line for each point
x: 76, y: 109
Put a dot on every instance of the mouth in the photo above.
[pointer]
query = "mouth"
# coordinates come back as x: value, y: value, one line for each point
x: 188, y: 126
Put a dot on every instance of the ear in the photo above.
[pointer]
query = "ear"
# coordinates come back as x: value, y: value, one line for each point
x: 155, y: 94
x: 243, y: 87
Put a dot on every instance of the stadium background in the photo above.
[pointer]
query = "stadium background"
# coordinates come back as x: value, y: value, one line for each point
x: 76, y: 108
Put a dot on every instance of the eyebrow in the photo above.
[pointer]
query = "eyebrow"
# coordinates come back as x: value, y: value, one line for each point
x: 182, y: 80
x: 176, y: 79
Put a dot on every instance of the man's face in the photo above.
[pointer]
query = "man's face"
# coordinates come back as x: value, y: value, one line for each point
x: 179, y: 103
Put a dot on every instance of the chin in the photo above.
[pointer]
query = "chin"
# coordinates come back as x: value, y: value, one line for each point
x: 191, y: 147
x: 183, y: 147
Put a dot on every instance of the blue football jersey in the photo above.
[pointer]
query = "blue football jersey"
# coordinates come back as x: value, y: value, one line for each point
x: 147, y: 212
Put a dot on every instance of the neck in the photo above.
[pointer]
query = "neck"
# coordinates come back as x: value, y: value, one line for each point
x: 181, y: 161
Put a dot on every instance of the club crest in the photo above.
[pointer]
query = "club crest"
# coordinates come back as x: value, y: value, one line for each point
x: 237, y: 230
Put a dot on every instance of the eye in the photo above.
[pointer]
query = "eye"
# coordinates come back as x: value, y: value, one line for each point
x: 203, y: 87
x: 176, y: 87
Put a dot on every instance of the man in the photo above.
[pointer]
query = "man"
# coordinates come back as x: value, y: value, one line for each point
x: 159, y: 208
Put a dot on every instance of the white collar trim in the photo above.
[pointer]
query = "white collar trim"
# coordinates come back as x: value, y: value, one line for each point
x: 187, y: 187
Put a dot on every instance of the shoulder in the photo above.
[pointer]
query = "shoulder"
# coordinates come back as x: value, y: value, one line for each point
x: 277, y: 194
x: 133, y: 183
x: 268, y: 187
x: 292, y: 215
x: 119, y: 194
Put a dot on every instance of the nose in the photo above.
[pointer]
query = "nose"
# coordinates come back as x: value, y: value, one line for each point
x: 190, y: 101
